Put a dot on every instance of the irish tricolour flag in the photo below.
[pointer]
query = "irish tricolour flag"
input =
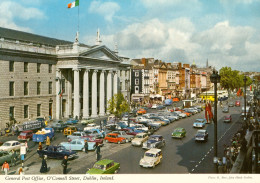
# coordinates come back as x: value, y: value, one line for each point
x: 73, y: 4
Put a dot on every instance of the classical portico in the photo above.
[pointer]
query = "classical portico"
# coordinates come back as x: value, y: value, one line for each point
x: 91, y: 77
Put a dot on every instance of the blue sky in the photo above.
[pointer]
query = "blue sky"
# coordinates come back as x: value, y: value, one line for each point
x: 226, y: 32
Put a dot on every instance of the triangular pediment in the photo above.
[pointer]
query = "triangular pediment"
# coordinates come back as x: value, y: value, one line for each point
x: 163, y: 66
x: 101, y: 53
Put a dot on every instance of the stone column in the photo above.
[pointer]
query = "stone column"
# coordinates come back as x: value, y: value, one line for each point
x: 58, y: 87
x: 86, y: 94
x: 123, y: 81
x: 76, y: 93
x: 109, y: 86
x: 94, y: 94
x: 115, y: 82
x: 69, y: 91
x: 102, y: 94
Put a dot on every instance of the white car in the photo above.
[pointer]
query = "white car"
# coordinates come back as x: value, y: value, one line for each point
x: 139, y: 139
x: 151, y: 158
x: 11, y: 145
x: 91, y: 126
x: 154, y: 106
x: 141, y: 127
x: 182, y: 115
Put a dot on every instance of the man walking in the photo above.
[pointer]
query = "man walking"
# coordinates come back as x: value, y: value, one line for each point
x: 65, y: 164
x: 13, y: 158
x: 5, y: 167
x: 98, y: 152
x: 86, y: 146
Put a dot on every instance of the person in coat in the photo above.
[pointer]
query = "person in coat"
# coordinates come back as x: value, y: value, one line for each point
x: 65, y: 164
x: 86, y: 146
x: 98, y: 152
x: 13, y: 158
x: 48, y: 141
x: 44, y: 165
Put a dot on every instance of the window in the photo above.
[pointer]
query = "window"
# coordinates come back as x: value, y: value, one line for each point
x: 11, y: 88
x: 38, y: 88
x: 50, y: 87
x: 11, y: 112
x: 26, y: 111
x: 11, y: 66
x: 38, y: 67
x: 50, y: 68
x: 25, y: 88
x: 136, y: 74
x: 38, y: 109
x: 137, y: 81
x: 25, y: 66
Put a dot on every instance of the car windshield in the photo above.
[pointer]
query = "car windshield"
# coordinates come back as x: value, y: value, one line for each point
x: 178, y: 130
x: 150, y: 155
x: 101, y: 167
x: 22, y: 134
x: 154, y: 138
x: 7, y: 144
x: 139, y: 136
x: 199, y: 120
x: 200, y: 133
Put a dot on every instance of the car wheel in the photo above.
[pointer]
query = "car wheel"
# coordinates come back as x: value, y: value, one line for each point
x: 126, y: 140
x: 106, y: 141
x: 119, y: 142
x: 154, y: 165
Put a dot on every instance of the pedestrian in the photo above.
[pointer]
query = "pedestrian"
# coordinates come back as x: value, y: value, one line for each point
x: 98, y: 152
x: 40, y: 146
x: 13, y: 158
x: 44, y: 164
x: 220, y: 166
x: 224, y: 163
x: 86, y: 146
x: 5, y: 167
x: 26, y: 146
x: 48, y: 141
x: 21, y: 172
x: 64, y: 164
x: 229, y: 165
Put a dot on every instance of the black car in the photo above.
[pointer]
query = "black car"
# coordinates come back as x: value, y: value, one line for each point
x: 57, y: 152
x: 154, y: 141
x: 202, y: 135
x: 59, y: 127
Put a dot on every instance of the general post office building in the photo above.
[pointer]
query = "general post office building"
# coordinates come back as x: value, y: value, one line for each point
x: 42, y: 77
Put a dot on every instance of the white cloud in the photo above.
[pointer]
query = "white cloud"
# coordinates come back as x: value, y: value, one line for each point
x: 106, y: 9
x: 11, y: 10
x: 178, y: 40
x: 239, y: 1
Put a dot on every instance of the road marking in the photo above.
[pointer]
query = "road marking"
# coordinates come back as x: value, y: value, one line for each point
x: 196, y: 166
x: 202, y: 159
x: 192, y: 170
x: 199, y: 162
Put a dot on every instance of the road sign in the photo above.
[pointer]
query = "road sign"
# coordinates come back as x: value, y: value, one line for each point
x: 23, y: 150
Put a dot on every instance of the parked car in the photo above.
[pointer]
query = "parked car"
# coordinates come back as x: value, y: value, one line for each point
x: 225, y: 109
x: 123, y: 134
x: 227, y: 118
x: 157, y: 120
x: 114, y: 137
x: 86, y: 121
x: 57, y: 152
x: 151, y: 158
x: 104, y: 166
x: 154, y: 106
x: 200, y: 123
x: 237, y: 103
x: 202, y: 135
x: 129, y: 131
x: 78, y: 145
x: 42, y: 135
x: 154, y: 141
x: 97, y: 133
x: 179, y: 133
x: 11, y: 145
x: 76, y: 135
x: 25, y: 135
x: 71, y: 121
x: 92, y: 126
x: 58, y: 127
x: 139, y: 139
x: 69, y: 130
x: 141, y: 111
x: 5, y: 156
x: 231, y: 104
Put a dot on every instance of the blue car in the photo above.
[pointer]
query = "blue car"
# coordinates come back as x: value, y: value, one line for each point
x: 71, y: 121
x: 78, y: 145
x: 199, y: 123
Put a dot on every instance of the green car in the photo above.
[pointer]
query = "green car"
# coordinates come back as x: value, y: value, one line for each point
x: 179, y: 133
x: 104, y: 166
x: 5, y: 156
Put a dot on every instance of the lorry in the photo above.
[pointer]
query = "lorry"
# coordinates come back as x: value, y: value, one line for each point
x: 30, y: 125
x: 41, y: 136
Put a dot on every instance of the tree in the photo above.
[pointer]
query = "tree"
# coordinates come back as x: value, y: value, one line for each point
x: 118, y: 105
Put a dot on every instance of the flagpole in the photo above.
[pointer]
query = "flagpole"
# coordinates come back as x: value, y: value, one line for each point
x: 78, y: 18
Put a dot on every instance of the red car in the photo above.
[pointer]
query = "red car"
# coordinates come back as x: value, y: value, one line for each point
x: 25, y: 135
x: 129, y: 131
x: 237, y: 103
x: 93, y: 139
x: 113, y: 137
x: 227, y: 118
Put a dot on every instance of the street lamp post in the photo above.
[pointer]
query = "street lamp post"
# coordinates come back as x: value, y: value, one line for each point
x: 245, y: 80
x: 127, y: 90
x: 215, y: 78
x: 60, y: 80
